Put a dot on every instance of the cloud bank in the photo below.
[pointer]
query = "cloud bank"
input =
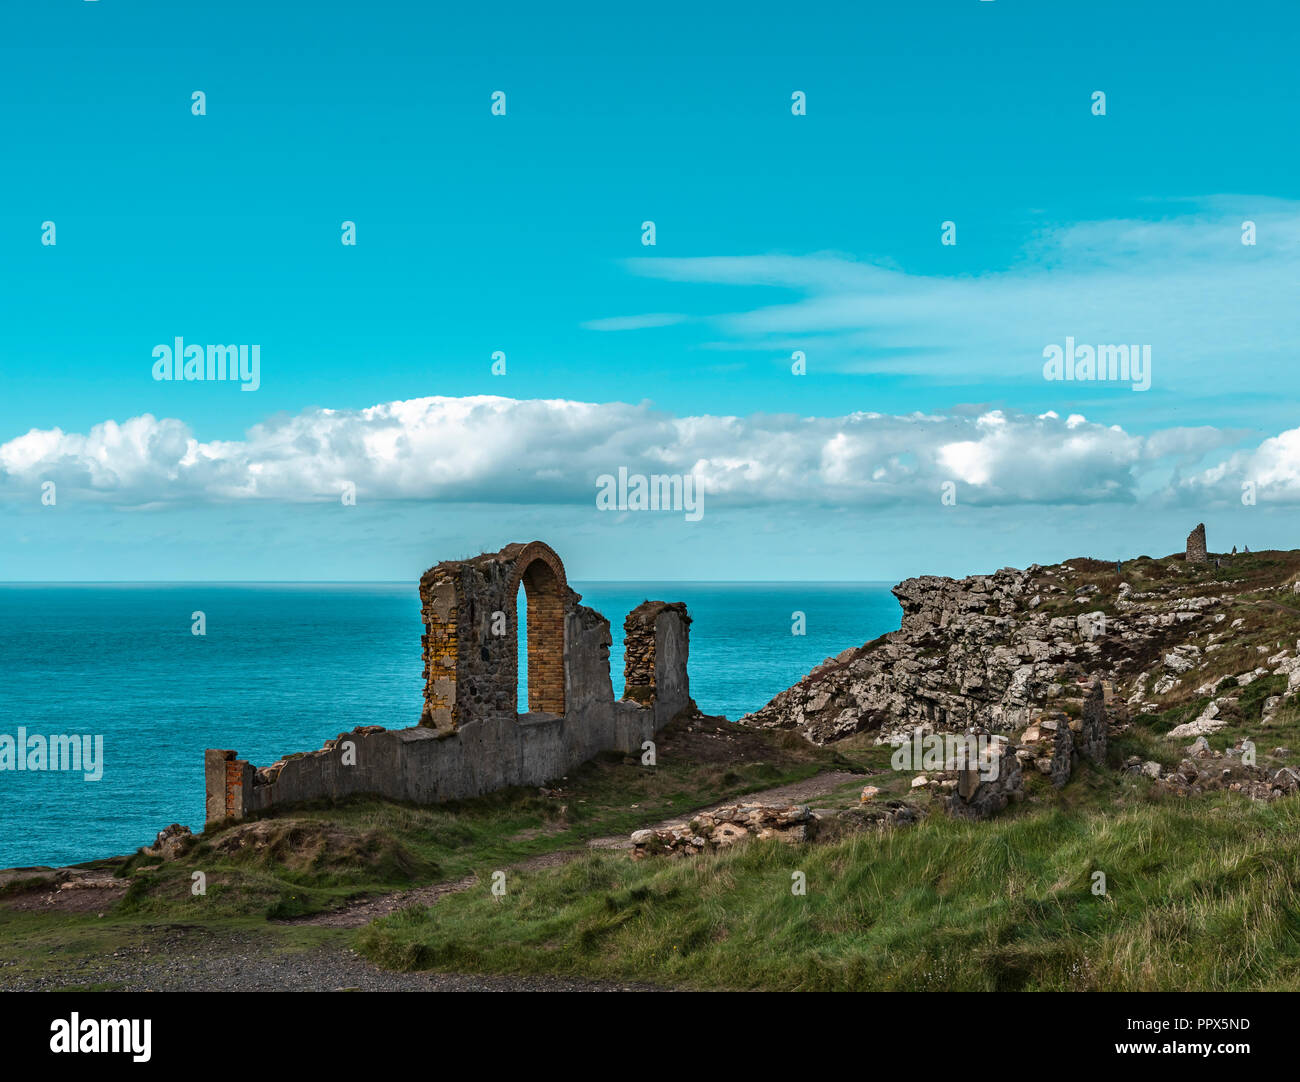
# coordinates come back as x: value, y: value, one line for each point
x: 488, y: 449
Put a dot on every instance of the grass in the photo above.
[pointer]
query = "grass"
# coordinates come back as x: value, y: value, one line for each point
x: 1198, y: 895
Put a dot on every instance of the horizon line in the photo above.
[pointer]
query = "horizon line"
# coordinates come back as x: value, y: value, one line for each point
x: 407, y: 582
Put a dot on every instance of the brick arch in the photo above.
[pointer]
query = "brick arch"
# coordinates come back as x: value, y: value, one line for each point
x: 541, y: 572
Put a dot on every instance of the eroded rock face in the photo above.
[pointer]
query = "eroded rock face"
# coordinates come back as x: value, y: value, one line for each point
x: 984, y: 651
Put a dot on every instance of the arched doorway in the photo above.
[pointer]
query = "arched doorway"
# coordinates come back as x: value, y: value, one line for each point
x: 543, y: 628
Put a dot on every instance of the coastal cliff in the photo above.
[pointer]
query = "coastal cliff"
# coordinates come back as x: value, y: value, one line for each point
x: 996, y: 651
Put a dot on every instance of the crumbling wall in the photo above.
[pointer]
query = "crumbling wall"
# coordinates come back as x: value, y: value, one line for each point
x: 978, y: 797
x: 471, y: 659
x: 1095, y: 732
x: 470, y: 739
x: 649, y: 670
x: 1196, y: 545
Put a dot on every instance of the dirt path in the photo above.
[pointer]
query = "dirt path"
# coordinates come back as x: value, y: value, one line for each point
x: 185, y: 958
x: 362, y: 913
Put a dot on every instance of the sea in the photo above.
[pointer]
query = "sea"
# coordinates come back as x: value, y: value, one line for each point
x: 283, y: 667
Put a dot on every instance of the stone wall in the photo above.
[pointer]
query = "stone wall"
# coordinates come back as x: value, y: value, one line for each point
x: 1095, y: 732
x: 470, y: 739
x: 470, y: 643
x: 976, y: 798
x: 641, y: 630
x: 1196, y: 545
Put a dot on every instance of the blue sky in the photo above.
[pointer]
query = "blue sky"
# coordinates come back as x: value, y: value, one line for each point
x: 522, y: 233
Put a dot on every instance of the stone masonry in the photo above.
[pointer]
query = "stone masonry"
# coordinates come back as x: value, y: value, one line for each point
x: 1196, y: 545
x: 474, y: 602
x: 470, y: 739
x: 639, y: 638
x: 1094, y: 733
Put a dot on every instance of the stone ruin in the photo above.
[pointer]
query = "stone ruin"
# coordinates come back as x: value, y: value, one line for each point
x: 1196, y: 545
x: 470, y: 738
x: 1053, y: 745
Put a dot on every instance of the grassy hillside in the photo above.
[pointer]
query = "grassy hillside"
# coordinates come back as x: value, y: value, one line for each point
x: 1199, y: 895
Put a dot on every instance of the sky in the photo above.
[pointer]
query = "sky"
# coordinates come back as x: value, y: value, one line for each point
x: 921, y: 435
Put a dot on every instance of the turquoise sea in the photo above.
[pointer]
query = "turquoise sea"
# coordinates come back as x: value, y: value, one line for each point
x: 284, y: 667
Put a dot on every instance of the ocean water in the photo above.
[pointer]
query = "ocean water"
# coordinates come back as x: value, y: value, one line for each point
x: 284, y: 667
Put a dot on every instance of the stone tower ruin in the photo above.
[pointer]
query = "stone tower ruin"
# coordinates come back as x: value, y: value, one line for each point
x: 1196, y: 545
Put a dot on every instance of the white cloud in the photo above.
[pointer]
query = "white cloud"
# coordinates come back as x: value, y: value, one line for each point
x: 501, y: 450
x: 1220, y: 316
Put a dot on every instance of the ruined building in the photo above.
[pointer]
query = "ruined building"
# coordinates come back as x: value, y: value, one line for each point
x: 1196, y: 545
x: 470, y: 738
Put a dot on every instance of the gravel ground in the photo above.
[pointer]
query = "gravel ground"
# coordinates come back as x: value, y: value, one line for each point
x: 195, y: 960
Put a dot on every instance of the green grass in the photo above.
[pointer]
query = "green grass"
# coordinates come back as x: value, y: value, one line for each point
x: 1200, y: 895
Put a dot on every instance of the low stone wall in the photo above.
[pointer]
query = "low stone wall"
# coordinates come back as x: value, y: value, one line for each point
x: 469, y: 743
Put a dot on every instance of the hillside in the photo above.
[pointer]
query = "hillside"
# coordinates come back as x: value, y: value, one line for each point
x: 1170, y: 637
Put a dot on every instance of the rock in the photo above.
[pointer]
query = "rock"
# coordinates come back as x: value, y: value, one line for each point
x: 869, y: 791
x: 1095, y: 727
x: 1208, y: 722
x: 172, y: 842
x: 1062, y: 762
x: 983, y: 796
x: 726, y: 826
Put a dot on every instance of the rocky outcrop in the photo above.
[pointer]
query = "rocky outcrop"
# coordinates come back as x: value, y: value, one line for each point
x: 172, y: 842
x: 988, y: 651
x: 996, y: 652
x: 722, y: 827
x: 725, y: 826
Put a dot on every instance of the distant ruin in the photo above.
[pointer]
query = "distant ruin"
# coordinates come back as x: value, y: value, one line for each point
x: 1196, y: 545
x: 470, y: 738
